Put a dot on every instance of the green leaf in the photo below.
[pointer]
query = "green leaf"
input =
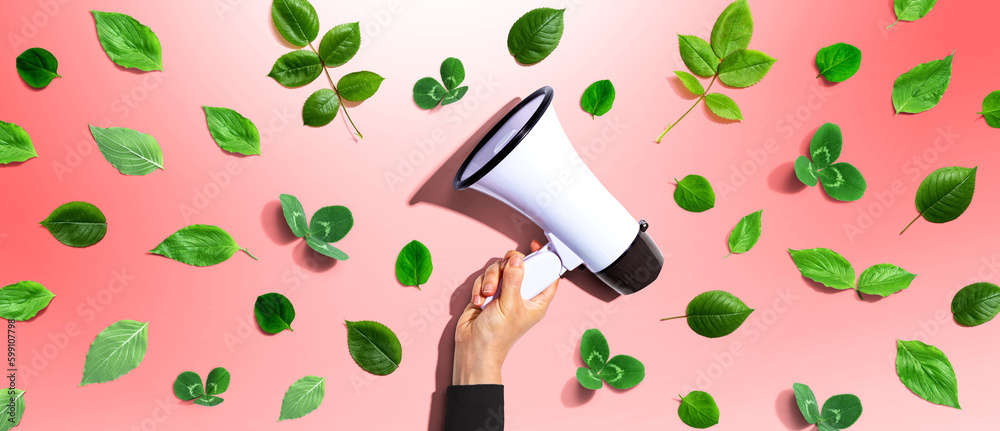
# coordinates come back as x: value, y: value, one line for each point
x: 325, y: 249
x: 274, y: 313
x: 824, y: 266
x: 594, y: 349
x: 598, y: 98
x: 127, y: 42
x: 23, y: 300
x: 340, y: 44
x: 694, y: 193
x: 320, y: 108
x: 77, y: 224
x: 15, y: 397
x: 199, y: 245
x: 806, y: 171
x: 188, y: 386
x: 922, y: 87
x: 991, y: 109
x: 945, y: 194
x: 912, y: 10
x: 304, y: 396
x: 217, y: 381
x: 927, y: 372
x: 15, y: 144
x: 716, y: 313
x: 535, y: 35
x: 698, y: 55
x: 698, y: 410
x: 843, y: 182
x: 296, y: 20
x: 690, y: 82
x: 374, y: 347
x: 295, y: 216
x: 723, y: 106
x: 733, y: 29
x: 974, y: 305
x: 826, y: 144
x: 884, y: 279
x: 129, y: 151
x: 588, y: 379
x: 331, y: 224
x: 744, y: 67
x: 838, y: 62
x: 806, y: 400
x: 359, y: 86
x: 296, y: 68
x: 37, y: 67
x: 745, y: 234
x: 413, y: 264
x: 209, y: 401
x: 427, y: 93
x: 454, y: 95
x: 841, y: 411
x: 623, y: 372
x: 118, y: 349
x: 452, y: 73
x: 232, y: 131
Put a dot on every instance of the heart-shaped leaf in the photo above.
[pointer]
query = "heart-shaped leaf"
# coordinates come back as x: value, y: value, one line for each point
x: 598, y: 98
x: 217, y: 381
x: 843, y: 182
x: 413, y: 264
x: 274, y: 313
x: 589, y: 379
x: 37, y: 67
x: 623, y: 372
x: 806, y: 171
x: 427, y: 93
x: 698, y: 410
x: 838, y: 62
x: 841, y: 411
x: 188, y: 386
x: 694, y: 193
x: 826, y: 145
x: 594, y: 349
x: 452, y: 73
x: 331, y: 224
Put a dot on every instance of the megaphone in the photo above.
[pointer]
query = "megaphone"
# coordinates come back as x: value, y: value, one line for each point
x: 527, y: 162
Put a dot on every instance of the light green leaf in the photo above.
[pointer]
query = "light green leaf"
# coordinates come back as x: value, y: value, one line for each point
x: 716, y: 313
x: 188, y: 386
x: 232, y: 131
x: 454, y: 95
x: 320, y: 108
x: 15, y: 144
x: 698, y: 55
x: 690, y: 82
x: 359, y: 86
x: 374, y: 347
x: 974, y: 305
x: 129, y: 151
x: 824, y: 266
x: 23, y: 300
x: 841, y: 411
x: 304, y: 396
x: 598, y: 98
x: 208, y: 401
x: 744, y: 67
x: 340, y: 44
x: 733, y: 29
x: 991, y: 109
x: 127, y: 42
x: 15, y: 397
x: 843, y: 182
x: 325, y: 249
x: 589, y: 379
x: 331, y: 224
x: 698, y: 410
x: 884, y: 279
x: 296, y: 20
x: 806, y: 400
x: 274, y: 313
x: 295, y: 216
x: 37, y: 67
x: 427, y: 93
x: 623, y: 372
x: 745, y: 234
x: 945, y: 194
x: 199, y: 245
x: 118, y: 349
x: 452, y: 73
x: 77, y: 224
x: 922, y: 87
x: 296, y: 68
x: 911, y: 10
x: 217, y: 381
x: 594, y: 349
x: 838, y: 62
x: 806, y: 171
x: 927, y: 372
x: 535, y: 35
x: 723, y: 106
x: 413, y: 264
x: 694, y: 193
x: 826, y: 144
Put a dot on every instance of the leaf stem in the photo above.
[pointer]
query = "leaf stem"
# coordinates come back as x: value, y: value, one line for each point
x: 248, y: 253
x: 859, y: 294
x: 335, y: 90
x: 696, y: 102
x: 672, y: 318
x: 894, y: 23
x: 911, y: 222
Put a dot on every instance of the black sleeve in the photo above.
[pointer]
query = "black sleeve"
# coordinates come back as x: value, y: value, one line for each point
x: 474, y: 408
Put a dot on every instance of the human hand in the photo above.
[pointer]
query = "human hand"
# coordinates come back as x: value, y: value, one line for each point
x: 484, y: 336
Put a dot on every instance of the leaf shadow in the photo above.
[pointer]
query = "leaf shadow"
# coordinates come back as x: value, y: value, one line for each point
x: 788, y: 411
x: 311, y: 260
x: 821, y: 288
x: 15, y: 164
x: 575, y: 395
x: 272, y: 220
x: 715, y: 118
x: 679, y: 88
x: 783, y: 179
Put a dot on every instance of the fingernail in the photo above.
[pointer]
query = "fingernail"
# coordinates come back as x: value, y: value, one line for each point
x: 516, y: 261
x: 477, y: 300
x: 488, y: 289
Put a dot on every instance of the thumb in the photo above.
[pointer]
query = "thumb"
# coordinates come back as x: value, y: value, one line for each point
x: 512, y: 274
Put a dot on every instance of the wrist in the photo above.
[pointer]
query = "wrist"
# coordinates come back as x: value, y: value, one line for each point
x: 476, y: 367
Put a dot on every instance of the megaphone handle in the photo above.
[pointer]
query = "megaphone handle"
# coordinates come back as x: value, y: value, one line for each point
x: 541, y: 268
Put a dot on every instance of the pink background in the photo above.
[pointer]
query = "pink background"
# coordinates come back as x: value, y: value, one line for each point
x: 397, y: 182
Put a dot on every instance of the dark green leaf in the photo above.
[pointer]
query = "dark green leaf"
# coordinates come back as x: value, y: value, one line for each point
x: 304, y: 396
x: 427, y: 93
x: 927, y: 372
x: 374, y: 347
x: 884, y: 279
x: 912, y: 10
x: 274, y: 313
x: 946, y: 193
x: 413, y: 264
x: 694, y: 193
x: 698, y: 55
x: 118, y: 349
x: 296, y: 68
x: 623, y: 372
x: 733, y: 29
x: 325, y: 249
x: 716, y: 313
x: 843, y: 182
x: 198, y: 245
x: 359, y: 86
x: 208, y: 401
x: 188, y: 386
x: 974, y: 305
x: 452, y: 73
x: 340, y: 44
x: 589, y: 379
x: 454, y: 95
x: 698, y: 410
x: 320, y: 108
x: 723, y: 106
x: 296, y: 20
x: 129, y: 151
x: 690, y: 82
x: 806, y: 400
x: 838, y: 62
x: 535, y: 35
x: 824, y: 266
x: 295, y: 216
x: 826, y: 144
x: 331, y: 224
x: 991, y: 109
x: 15, y: 144
x: 598, y: 98
x: 23, y: 300
x: 217, y: 381
x: 127, y: 42
x: 744, y: 67
x: 922, y: 87
x: 841, y: 411
x: 745, y: 234
x: 594, y: 349
x: 77, y: 224
x: 805, y: 170
x: 37, y: 67
x: 232, y: 132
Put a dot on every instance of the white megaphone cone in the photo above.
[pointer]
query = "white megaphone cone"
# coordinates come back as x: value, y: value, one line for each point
x: 527, y: 162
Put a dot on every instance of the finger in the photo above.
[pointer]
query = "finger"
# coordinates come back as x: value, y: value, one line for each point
x: 513, y: 274
x: 535, y: 245
x: 477, y: 286
x: 545, y: 297
x: 491, y: 280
